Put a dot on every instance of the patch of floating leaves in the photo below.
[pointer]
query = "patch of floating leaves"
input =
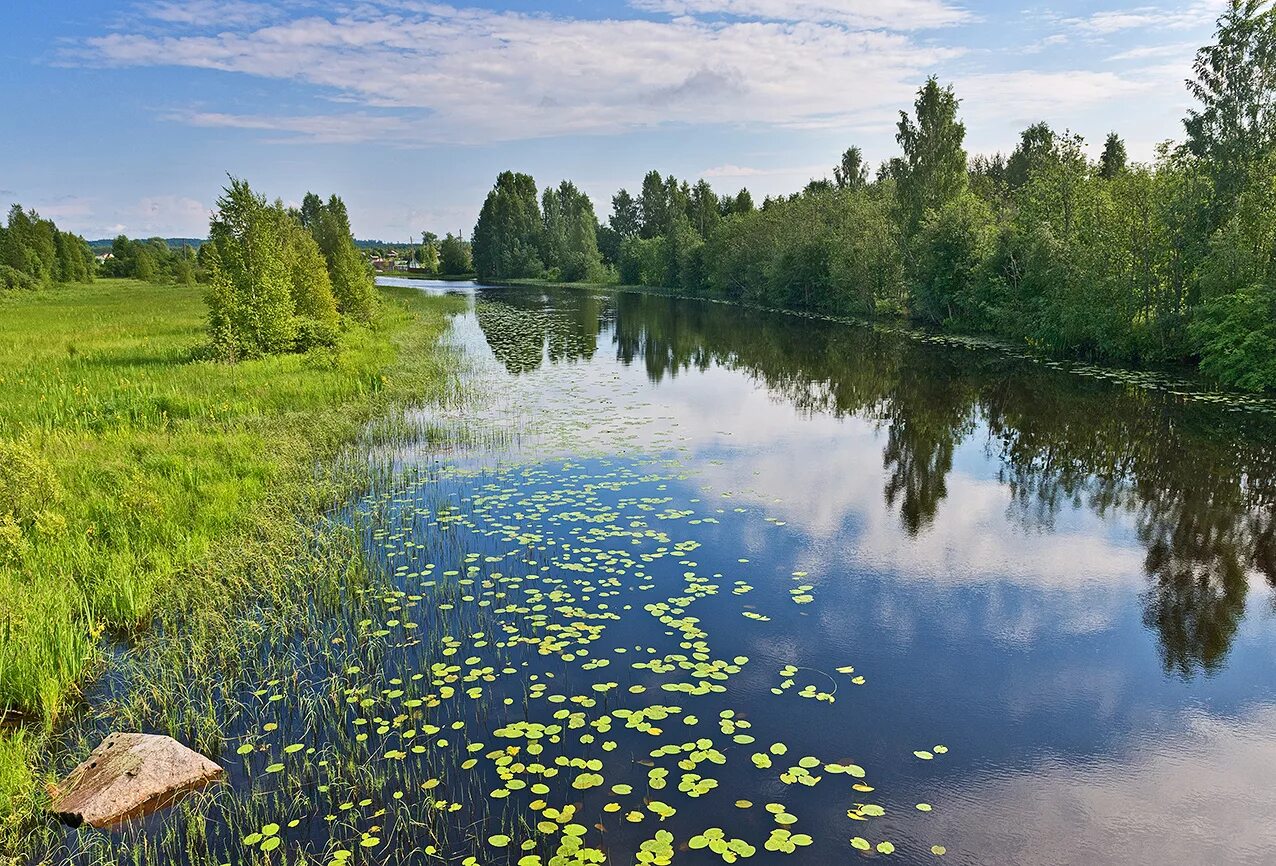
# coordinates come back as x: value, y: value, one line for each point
x: 507, y: 637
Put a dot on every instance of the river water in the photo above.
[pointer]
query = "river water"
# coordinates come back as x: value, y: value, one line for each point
x: 1064, y: 581
x: 684, y: 582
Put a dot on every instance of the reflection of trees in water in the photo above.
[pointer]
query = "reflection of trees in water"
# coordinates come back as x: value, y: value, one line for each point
x: 1199, y: 484
x: 524, y: 327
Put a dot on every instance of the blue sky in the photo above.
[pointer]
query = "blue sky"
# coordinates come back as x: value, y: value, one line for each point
x: 126, y: 115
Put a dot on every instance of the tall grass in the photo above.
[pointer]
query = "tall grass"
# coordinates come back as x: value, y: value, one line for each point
x: 158, y: 462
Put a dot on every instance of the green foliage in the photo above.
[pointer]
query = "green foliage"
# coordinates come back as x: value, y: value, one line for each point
x: 653, y: 206
x: 152, y: 260
x: 852, y: 172
x: 251, y: 309
x: 455, y: 257
x: 643, y: 261
x: 933, y: 171
x: 1235, y: 329
x: 428, y: 256
x: 833, y: 251
x: 34, y: 253
x: 951, y: 248
x: 1036, y: 149
x: 1234, y: 126
x: 570, y: 234
x: 626, y: 219
x: 507, y: 239
x: 353, y: 286
x: 1114, y: 159
x: 313, y: 302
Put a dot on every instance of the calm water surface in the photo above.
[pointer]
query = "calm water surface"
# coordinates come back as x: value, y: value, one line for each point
x: 1067, y: 582
x: 675, y: 555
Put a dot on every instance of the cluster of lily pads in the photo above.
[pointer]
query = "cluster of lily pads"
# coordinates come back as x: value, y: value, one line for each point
x: 538, y: 679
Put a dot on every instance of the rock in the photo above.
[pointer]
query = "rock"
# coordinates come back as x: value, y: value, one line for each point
x: 129, y: 776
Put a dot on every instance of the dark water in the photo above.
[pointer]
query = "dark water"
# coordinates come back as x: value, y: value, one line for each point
x: 710, y: 515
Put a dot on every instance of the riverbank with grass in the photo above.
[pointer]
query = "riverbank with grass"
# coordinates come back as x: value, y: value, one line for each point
x: 149, y: 494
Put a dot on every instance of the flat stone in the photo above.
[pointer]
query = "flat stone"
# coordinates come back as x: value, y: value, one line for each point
x: 130, y: 776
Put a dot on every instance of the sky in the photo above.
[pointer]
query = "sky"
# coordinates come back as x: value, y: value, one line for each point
x: 126, y: 116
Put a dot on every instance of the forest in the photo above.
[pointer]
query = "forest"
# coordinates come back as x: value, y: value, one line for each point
x: 1167, y: 262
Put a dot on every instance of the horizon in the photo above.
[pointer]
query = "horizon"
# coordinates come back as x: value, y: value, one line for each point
x: 409, y: 111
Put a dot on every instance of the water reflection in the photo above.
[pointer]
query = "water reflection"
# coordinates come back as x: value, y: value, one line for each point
x: 1197, y: 482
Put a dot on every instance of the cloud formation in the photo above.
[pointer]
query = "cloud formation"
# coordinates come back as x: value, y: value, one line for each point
x: 437, y: 73
x: 894, y: 15
x: 422, y: 73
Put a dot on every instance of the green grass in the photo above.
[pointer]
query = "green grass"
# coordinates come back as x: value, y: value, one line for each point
x: 136, y: 463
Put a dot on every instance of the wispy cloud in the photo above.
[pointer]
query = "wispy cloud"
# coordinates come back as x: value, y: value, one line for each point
x: 884, y: 14
x: 1200, y: 13
x: 434, y: 73
x: 205, y: 13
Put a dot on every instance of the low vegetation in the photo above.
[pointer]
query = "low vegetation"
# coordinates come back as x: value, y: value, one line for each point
x: 128, y: 458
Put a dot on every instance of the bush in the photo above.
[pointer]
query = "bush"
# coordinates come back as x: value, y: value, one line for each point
x: 28, y: 488
x: 12, y: 278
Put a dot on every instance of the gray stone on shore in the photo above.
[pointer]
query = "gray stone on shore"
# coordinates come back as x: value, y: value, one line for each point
x: 130, y: 776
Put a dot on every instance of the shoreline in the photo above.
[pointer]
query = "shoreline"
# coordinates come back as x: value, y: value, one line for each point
x: 206, y: 618
x: 1187, y: 383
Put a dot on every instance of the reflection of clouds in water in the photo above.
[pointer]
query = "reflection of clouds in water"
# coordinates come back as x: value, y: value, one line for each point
x: 828, y: 471
x: 1212, y: 783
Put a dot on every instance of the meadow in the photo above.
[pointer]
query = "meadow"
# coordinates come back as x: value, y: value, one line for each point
x: 133, y: 470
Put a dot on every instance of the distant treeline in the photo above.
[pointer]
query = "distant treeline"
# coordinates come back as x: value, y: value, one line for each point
x: 34, y: 253
x: 1148, y: 263
x: 446, y: 257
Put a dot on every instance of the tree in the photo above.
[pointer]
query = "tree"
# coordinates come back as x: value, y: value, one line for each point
x: 427, y: 255
x: 626, y: 218
x: 313, y: 301
x: 249, y: 297
x: 1235, y: 84
x: 1114, y: 158
x: 852, y: 172
x: 570, y: 233
x: 352, y: 284
x: 1235, y: 329
x: 1036, y: 148
x: 653, y: 206
x: 933, y: 171
x: 507, y: 239
x: 953, y: 244
x: 455, y: 259
x: 704, y: 209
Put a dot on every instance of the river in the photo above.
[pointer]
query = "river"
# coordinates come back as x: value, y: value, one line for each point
x: 684, y: 582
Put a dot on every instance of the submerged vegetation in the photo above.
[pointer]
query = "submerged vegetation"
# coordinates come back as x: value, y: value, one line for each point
x: 128, y: 465
x: 1102, y: 260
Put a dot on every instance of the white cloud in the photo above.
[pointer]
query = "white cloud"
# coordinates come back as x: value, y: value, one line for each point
x: 442, y: 74
x: 892, y: 15
x: 731, y: 171
x: 1200, y: 13
x: 199, y: 13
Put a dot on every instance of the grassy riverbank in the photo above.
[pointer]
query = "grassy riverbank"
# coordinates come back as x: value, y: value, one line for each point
x: 137, y: 471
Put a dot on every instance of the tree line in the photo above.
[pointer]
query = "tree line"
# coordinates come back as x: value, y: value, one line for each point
x: 281, y: 279
x: 154, y: 261
x: 1171, y: 261
x: 34, y: 253
x: 449, y: 256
